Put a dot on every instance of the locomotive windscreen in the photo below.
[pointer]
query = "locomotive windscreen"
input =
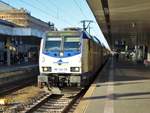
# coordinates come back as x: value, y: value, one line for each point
x: 72, y: 43
x: 53, y: 44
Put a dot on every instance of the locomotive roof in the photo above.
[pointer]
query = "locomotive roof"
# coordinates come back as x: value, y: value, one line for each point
x: 64, y: 33
x: 74, y: 33
x: 94, y: 38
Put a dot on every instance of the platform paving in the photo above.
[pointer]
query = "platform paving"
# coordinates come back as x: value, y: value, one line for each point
x: 121, y: 87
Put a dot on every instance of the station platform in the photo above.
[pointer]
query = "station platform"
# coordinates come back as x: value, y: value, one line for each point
x: 121, y: 87
x: 6, y: 69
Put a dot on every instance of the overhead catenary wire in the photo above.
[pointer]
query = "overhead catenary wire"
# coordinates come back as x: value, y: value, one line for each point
x: 45, y: 12
x: 48, y: 5
x: 31, y: 5
x: 60, y: 9
x: 52, y: 2
x: 80, y: 8
x: 44, y: 5
x: 58, y: 17
x: 19, y: 3
x: 83, y: 21
x: 41, y: 7
x: 57, y: 8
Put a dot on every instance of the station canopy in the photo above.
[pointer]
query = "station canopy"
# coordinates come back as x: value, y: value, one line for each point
x: 125, y: 19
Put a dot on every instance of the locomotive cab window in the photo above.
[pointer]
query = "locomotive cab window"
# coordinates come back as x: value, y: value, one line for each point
x: 72, y: 43
x: 53, y: 44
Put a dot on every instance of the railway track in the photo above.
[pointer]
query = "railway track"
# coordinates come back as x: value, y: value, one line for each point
x: 56, y: 103
x: 8, y: 89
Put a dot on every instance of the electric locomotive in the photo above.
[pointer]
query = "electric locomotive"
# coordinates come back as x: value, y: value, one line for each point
x: 69, y: 58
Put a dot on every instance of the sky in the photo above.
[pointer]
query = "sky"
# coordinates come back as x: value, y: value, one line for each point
x: 63, y: 13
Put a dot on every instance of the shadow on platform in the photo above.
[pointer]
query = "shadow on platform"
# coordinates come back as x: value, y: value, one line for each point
x: 124, y: 96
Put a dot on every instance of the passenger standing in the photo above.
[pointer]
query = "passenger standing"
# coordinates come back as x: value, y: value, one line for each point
x: 128, y: 56
x: 117, y: 57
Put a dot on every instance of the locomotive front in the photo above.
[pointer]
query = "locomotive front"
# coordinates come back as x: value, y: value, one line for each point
x: 60, y: 58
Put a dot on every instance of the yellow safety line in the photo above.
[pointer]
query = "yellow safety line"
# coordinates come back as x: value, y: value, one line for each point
x: 83, y: 105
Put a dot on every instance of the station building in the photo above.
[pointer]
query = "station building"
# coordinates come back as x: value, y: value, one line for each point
x: 20, y: 35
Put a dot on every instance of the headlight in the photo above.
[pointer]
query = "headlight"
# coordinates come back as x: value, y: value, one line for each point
x: 47, y: 69
x: 74, y: 69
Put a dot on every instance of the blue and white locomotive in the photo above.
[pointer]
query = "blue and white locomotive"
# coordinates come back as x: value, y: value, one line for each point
x: 69, y: 57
